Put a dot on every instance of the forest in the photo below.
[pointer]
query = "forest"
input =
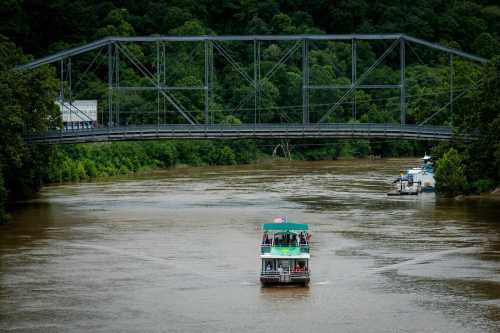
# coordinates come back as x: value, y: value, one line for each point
x: 31, y: 29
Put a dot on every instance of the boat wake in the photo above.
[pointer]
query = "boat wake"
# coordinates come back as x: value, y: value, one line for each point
x: 128, y: 254
x: 322, y: 283
x: 426, y: 258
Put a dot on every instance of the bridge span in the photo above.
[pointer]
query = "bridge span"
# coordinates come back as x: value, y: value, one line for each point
x: 246, y: 131
x: 278, y: 94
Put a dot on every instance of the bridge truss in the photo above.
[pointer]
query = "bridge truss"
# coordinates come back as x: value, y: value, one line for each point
x: 115, y: 58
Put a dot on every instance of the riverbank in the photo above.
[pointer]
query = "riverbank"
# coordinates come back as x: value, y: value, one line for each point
x: 491, y: 196
x: 79, y: 162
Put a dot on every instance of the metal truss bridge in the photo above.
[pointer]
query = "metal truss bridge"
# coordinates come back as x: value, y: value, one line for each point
x: 126, y: 67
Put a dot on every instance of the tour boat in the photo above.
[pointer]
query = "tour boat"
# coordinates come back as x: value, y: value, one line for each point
x: 415, y: 180
x: 284, y: 253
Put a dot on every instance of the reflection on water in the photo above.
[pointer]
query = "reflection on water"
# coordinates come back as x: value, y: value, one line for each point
x: 178, y: 251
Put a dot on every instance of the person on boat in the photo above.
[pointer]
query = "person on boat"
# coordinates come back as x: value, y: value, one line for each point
x: 269, y: 267
x: 280, y: 269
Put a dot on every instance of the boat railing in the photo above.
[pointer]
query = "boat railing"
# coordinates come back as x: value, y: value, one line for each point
x: 265, y: 248
x: 286, y: 271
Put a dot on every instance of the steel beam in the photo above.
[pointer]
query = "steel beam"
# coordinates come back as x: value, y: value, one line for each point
x: 158, y: 83
x: 305, y: 82
x: 402, y: 63
x: 258, y: 37
x: 351, y: 86
x: 263, y: 131
x: 61, y: 86
x: 161, y: 87
x: 117, y: 84
x: 70, y: 93
x: 110, y: 84
x: 205, y: 88
x: 255, y: 81
x: 445, y: 49
x: 104, y: 42
x: 452, y: 76
x: 354, y: 72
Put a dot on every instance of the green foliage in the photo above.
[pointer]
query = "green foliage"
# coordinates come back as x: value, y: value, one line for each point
x: 115, y: 24
x: 486, y: 45
x: 323, y: 153
x: 27, y: 107
x: 483, y: 185
x: 479, y: 115
x: 450, y: 174
x: 79, y: 162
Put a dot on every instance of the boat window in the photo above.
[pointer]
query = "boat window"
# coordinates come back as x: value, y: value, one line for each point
x: 268, y: 265
x: 300, y: 266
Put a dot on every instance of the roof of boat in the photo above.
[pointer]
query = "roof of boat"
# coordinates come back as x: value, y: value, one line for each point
x: 285, y: 256
x: 285, y: 226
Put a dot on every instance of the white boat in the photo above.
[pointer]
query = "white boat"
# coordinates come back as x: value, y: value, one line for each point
x: 415, y: 180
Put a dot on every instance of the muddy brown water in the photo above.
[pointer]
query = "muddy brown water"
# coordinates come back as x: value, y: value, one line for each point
x: 178, y: 251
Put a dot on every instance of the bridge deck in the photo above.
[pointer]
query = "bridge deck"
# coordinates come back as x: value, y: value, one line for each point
x: 257, y: 131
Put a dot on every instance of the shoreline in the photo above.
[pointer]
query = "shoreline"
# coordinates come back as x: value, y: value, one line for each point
x: 490, y: 196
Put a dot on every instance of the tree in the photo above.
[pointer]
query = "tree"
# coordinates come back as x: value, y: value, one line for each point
x: 450, y: 174
x: 479, y: 115
x: 116, y: 24
x: 486, y: 45
x: 27, y: 107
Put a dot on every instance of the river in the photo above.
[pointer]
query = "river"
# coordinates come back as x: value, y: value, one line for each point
x: 178, y: 251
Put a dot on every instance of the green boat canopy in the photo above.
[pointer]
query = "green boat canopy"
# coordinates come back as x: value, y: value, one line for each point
x: 285, y: 226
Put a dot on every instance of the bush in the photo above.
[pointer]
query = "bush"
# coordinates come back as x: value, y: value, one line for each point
x: 450, y: 175
x: 321, y: 154
x: 226, y: 156
x: 483, y: 185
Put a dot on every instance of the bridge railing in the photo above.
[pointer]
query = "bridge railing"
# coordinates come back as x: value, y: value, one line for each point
x: 233, y: 131
x: 259, y: 126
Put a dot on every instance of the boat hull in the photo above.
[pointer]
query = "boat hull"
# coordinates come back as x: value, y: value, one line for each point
x: 269, y: 280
